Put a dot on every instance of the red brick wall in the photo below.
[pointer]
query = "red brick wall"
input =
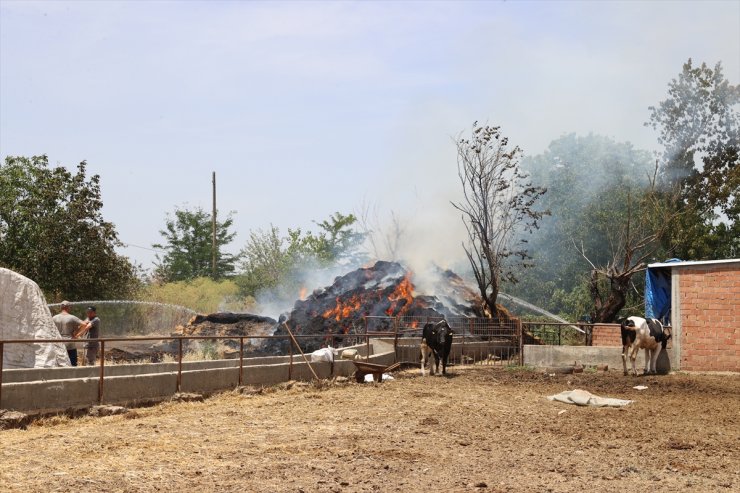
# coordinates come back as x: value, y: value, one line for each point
x: 710, y: 317
x: 607, y: 335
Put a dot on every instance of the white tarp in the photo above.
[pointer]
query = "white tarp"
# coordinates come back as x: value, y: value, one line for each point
x: 24, y: 315
x: 584, y: 398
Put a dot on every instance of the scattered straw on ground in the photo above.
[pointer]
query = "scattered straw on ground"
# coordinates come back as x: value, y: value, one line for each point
x: 481, y: 429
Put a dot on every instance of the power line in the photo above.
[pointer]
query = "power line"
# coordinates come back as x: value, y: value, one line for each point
x: 143, y: 247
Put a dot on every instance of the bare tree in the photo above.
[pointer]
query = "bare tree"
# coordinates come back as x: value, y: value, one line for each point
x: 637, y: 239
x: 497, y: 206
x: 384, y: 241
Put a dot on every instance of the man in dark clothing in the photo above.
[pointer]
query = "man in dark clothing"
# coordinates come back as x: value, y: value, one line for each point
x: 91, y: 330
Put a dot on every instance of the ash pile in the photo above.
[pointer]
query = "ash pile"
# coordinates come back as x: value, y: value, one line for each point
x: 224, y: 324
x: 386, y: 289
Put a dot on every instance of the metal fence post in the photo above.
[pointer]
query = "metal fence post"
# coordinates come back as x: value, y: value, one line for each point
x: 101, y: 379
x: 179, y: 363
x: 520, y: 336
x: 290, y: 366
x: 395, y: 339
x: 241, y: 359
x: 2, y: 350
x: 367, y: 341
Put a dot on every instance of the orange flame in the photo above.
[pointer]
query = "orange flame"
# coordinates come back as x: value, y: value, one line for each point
x: 343, y: 309
x: 303, y: 293
x: 404, y: 291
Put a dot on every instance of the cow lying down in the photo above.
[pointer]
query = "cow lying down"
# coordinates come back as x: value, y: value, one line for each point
x: 648, y: 334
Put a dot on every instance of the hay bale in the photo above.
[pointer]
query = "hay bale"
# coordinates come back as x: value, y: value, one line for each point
x: 99, y: 411
x: 187, y: 397
x: 13, y: 419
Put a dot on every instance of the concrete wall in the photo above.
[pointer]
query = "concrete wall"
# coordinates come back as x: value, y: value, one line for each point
x: 56, y: 389
x: 543, y: 356
x: 706, y: 316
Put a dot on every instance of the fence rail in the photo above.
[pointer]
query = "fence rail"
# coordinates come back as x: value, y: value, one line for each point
x: 477, y: 341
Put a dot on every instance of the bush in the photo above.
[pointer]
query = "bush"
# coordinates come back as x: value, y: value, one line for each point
x: 203, y: 295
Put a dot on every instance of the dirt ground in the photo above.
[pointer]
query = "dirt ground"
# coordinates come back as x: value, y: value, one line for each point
x: 480, y: 429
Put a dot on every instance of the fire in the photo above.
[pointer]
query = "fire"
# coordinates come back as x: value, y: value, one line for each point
x: 303, y: 293
x: 343, y: 309
x: 403, y: 292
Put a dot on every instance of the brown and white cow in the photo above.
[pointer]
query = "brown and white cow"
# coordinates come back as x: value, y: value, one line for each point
x: 648, y: 334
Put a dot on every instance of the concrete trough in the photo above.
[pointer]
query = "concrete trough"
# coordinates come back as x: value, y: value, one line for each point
x: 44, y: 390
x: 552, y: 356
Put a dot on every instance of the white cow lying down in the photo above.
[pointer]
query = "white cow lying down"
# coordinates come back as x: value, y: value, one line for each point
x: 324, y: 354
x: 639, y: 333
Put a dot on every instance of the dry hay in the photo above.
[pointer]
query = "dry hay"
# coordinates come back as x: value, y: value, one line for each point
x: 482, y: 429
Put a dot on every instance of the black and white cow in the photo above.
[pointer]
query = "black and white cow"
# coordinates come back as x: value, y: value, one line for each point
x: 436, y: 339
x: 648, y: 334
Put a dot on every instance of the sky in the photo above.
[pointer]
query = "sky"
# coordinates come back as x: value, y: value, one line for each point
x: 307, y: 108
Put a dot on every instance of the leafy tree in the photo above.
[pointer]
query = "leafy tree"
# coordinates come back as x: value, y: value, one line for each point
x: 336, y: 241
x: 637, y: 238
x: 52, y: 230
x: 274, y: 262
x: 699, y: 129
x: 499, y: 203
x: 265, y: 261
x: 189, y: 246
x: 589, y: 181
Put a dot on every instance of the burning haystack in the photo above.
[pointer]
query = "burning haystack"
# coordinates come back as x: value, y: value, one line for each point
x: 386, y: 289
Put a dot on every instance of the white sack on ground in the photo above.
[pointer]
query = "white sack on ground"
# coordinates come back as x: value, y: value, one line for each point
x: 583, y: 398
x: 323, y: 354
x: 369, y: 378
x: 24, y: 315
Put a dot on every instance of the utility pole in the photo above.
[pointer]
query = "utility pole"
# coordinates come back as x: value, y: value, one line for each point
x: 213, y: 226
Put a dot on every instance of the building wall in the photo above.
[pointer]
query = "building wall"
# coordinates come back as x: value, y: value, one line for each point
x: 607, y: 335
x: 708, y: 311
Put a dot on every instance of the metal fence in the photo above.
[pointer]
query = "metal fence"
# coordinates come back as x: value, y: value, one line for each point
x: 476, y: 341
x: 179, y: 340
x: 557, y: 334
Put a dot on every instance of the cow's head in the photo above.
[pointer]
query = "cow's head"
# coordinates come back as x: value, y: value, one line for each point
x: 666, y: 335
x: 444, y: 331
x: 627, y: 324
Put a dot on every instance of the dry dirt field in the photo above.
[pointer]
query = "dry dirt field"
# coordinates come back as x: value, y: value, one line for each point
x: 480, y: 429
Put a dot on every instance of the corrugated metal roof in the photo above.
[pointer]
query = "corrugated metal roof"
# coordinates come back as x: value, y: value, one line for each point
x: 693, y: 263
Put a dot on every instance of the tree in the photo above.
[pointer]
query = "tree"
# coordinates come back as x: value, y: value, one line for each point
x: 265, y: 261
x: 587, y: 179
x: 498, y: 203
x: 699, y: 129
x: 336, y: 242
x: 282, y: 264
x: 384, y: 242
x: 52, y: 230
x: 189, y: 246
x: 636, y: 239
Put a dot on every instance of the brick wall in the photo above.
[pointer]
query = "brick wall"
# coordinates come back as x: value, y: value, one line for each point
x: 710, y: 317
x: 607, y: 335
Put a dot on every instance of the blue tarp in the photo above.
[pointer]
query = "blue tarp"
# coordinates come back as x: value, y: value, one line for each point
x: 658, y: 293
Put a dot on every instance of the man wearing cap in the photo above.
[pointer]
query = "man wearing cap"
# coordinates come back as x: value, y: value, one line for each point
x: 68, y: 325
x: 91, y: 329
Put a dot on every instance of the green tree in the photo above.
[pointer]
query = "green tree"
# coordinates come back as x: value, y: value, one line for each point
x: 52, y: 230
x: 699, y: 129
x: 271, y: 262
x: 592, y: 182
x: 188, y: 246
